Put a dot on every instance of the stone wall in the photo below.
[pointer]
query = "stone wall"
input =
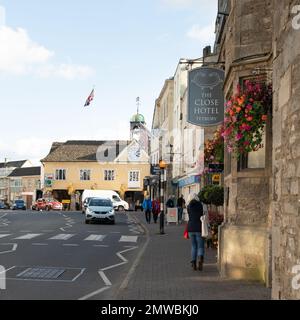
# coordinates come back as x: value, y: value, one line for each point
x: 286, y: 152
x: 245, y: 236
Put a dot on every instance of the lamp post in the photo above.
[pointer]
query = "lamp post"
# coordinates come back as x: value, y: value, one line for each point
x: 162, y: 166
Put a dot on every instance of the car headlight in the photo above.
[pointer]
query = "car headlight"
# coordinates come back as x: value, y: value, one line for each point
x: 88, y: 210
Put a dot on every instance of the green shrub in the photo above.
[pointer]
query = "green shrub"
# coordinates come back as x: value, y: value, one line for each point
x: 212, y: 195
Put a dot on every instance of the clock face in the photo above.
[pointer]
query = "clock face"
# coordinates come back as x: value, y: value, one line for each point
x: 136, y: 134
x: 134, y: 153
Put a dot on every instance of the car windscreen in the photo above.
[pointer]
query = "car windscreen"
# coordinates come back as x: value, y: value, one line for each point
x: 100, y: 203
x: 19, y: 201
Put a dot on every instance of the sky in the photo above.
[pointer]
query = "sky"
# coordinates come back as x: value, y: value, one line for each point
x: 53, y: 53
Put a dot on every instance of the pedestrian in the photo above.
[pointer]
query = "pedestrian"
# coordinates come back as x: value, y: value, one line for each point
x: 180, y: 207
x: 155, y: 209
x: 195, y: 212
x: 170, y: 203
x: 147, y: 206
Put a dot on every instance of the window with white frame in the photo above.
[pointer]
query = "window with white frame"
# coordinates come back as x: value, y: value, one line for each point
x: 134, y: 179
x: 60, y: 174
x: 109, y: 175
x: 85, y: 175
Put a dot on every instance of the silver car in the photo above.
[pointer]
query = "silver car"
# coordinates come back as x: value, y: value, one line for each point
x: 100, y: 210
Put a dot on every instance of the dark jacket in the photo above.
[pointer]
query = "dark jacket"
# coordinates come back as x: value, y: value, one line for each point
x: 170, y: 203
x: 195, y: 211
x: 180, y: 202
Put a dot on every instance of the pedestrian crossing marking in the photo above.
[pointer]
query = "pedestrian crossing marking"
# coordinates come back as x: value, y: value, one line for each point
x: 128, y: 239
x: 4, y: 235
x: 62, y: 236
x: 28, y: 236
x: 66, y: 236
x: 95, y: 237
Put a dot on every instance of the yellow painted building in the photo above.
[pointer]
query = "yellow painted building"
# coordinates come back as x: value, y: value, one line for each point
x: 74, y: 166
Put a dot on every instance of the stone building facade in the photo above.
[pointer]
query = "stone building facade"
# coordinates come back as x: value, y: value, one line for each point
x: 260, y: 238
x: 286, y: 153
x: 244, y: 46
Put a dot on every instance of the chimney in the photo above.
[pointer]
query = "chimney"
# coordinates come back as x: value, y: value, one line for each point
x: 206, y: 51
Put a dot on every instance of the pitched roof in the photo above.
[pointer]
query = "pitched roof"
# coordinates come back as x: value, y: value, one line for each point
x: 12, y: 164
x: 26, y: 172
x: 85, y: 150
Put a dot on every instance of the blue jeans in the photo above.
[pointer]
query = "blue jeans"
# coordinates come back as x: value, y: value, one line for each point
x: 197, y: 245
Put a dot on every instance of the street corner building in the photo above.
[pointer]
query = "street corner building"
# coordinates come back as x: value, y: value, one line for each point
x: 74, y: 166
x: 260, y: 239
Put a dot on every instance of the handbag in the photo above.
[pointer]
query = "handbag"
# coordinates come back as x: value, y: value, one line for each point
x: 186, y: 233
x: 204, y: 228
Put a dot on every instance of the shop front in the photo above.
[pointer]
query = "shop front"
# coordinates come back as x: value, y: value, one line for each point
x: 189, y: 185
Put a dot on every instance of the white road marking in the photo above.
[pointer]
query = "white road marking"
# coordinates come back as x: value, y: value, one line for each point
x: 71, y: 245
x: 107, y: 282
x: 62, y: 236
x: 95, y: 237
x: 14, y: 248
x: 100, y: 245
x: 4, y: 235
x: 104, y: 277
x: 128, y: 239
x: 39, y: 244
x: 29, y: 236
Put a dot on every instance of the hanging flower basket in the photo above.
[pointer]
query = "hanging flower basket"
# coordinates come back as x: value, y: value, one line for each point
x: 214, y: 148
x: 245, y: 118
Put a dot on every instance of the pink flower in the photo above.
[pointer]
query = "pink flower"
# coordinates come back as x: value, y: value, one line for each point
x: 238, y: 137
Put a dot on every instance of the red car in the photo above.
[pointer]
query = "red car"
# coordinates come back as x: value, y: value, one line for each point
x: 47, y: 204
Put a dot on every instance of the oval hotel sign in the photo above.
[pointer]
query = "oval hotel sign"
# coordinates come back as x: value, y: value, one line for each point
x: 205, y: 97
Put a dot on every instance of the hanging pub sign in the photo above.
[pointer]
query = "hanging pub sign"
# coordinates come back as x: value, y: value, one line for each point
x: 205, y: 97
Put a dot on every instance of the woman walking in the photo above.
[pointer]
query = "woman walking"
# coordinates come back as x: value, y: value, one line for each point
x: 195, y: 211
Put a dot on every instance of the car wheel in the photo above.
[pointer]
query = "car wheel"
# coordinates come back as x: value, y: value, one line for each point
x: 87, y: 221
x: 120, y: 208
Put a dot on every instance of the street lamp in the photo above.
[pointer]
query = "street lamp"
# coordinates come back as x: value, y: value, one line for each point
x: 162, y: 166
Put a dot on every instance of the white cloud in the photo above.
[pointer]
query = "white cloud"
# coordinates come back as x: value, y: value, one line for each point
x: 26, y: 148
x: 205, y: 34
x: 21, y: 55
x: 18, y: 53
x: 67, y: 71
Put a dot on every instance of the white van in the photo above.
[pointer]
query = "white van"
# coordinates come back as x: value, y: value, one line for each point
x: 118, y: 203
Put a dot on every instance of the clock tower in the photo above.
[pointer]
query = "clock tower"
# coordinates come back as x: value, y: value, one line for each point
x: 138, y: 130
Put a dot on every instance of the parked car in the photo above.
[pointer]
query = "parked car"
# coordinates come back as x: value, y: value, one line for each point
x: 47, y: 204
x: 100, y: 210
x: 19, y: 205
x: 3, y: 206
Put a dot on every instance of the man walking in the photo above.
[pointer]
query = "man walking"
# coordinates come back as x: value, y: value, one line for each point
x: 180, y: 207
x: 147, y: 206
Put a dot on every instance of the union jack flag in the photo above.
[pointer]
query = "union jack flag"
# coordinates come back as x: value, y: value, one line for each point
x: 89, y: 99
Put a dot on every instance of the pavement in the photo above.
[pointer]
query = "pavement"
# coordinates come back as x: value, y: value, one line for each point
x: 162, y: 271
